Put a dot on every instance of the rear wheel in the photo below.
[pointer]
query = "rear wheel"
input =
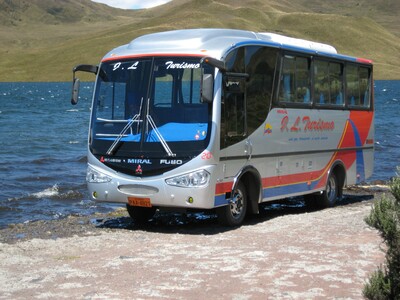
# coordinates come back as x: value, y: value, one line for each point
x: 140, y: 214
x: 234, y: 213
x: 329, y: 197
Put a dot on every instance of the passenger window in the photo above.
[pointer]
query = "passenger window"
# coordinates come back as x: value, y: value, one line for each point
x: 303, y: 80
x: 364, y: 87
x: 295, y: 80
x: 352, y: 86
x: 328, y: 83
x: 286, y: 90
x: 336, y: 84
x: 358, y: 86
x: 321, y: 82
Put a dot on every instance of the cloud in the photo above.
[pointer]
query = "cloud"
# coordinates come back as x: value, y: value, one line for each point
x: 132, y: 4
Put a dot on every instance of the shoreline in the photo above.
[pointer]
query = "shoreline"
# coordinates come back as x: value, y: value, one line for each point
x: 94, y: 224
x: 287, y: 252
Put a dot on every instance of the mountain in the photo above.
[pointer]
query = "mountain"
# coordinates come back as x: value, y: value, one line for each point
x: 43, y: 39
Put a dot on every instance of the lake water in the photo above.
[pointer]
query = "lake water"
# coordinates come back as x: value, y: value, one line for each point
x: 43, y: 149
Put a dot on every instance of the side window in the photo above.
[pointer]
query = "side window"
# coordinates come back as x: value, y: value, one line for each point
x: 352, y: 86
x: 233, y: 115
x: 303, y: 80
x: 287, y: 82
x: 235, y: 61
x: 294, y: 84
x: 328, y: 83
x: 336, y: 84
x: 321, y: 82
x: 260, y: 65
x: 358, y: 86
x: 365, y: 84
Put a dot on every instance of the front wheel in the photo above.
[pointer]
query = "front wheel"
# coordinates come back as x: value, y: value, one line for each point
x: 140, y: 214
x: 234, y: 213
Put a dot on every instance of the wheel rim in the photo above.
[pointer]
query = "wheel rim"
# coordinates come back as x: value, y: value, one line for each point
x: 236, y: 205
x: 331, y: 190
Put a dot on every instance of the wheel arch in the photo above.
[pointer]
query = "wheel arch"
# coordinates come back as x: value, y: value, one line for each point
x: 252, y: 181
x: 339, y: 170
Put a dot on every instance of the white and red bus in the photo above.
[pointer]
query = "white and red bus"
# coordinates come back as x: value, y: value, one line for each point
x: 218, y: 119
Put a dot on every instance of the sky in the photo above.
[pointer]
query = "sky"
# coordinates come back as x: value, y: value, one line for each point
x: 132, y: 4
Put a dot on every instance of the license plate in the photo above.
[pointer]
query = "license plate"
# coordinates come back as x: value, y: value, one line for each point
x: 144, y: 202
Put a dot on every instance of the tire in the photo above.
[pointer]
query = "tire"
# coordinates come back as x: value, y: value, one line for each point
x: 234, y: 213
x: 140, y: 215
x: 329, y: 197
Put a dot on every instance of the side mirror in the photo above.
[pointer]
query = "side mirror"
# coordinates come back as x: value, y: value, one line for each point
x: 215, y: 63
x: 207, y: 88
x: 75, y: 91
x: 76, y: 82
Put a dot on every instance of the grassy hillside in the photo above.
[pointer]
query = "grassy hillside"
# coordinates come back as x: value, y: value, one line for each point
x: 44, y: 39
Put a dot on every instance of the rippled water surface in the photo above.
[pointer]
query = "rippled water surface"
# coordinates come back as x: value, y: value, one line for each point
x: 43, y: 148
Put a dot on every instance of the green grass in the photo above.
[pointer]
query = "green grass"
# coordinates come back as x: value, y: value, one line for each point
x: 43, y: 43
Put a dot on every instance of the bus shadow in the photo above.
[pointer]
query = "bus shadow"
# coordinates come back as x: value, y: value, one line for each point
x: 207, y: 223
x: 296, y: 205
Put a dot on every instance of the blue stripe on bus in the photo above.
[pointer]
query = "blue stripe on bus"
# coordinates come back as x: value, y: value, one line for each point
x: 220, y: 200
x: 289, y: 189
x: 360, y: 168
x: 275, y: 191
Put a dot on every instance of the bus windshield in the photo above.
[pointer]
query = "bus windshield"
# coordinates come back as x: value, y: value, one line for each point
x: 150, y: 107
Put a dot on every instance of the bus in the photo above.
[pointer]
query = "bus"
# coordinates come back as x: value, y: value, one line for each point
x: 224, y: 120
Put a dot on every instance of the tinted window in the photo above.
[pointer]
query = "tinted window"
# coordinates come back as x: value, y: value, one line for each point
x: 321, y: 82
x: 328, y: 83
x: 364, y: 86
x: 295, y: 80
x: 233, y: 117
x: 336, y: 83
x: 358, y: 86
x: 352, y: 86
x: 260, y: 65
x: 246, y: 100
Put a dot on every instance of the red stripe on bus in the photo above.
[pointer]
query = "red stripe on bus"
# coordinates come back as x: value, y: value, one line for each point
x: 121, y: 57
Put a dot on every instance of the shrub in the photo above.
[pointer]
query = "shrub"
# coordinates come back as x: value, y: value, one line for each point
x: 385, y: 217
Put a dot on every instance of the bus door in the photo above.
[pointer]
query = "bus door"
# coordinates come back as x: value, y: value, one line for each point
x: 236, y: 148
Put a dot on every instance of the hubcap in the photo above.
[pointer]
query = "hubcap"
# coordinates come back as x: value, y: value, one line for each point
x: 237, y: 204
x: 331, y: 190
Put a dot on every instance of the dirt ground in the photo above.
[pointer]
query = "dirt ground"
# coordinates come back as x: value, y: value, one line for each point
x: 287, y: 252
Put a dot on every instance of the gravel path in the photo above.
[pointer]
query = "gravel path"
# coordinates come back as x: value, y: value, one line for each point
x: 288, y: 252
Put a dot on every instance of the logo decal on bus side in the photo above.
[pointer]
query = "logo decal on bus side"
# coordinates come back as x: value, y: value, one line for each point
x: 309, y: 125
x: 139, y: 161
x: 170, y: 162
x: 267, y: 129
x: 184, y: 65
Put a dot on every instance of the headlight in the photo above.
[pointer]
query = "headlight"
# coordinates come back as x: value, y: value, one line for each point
x: 195, y: 179
x: 94, y: 176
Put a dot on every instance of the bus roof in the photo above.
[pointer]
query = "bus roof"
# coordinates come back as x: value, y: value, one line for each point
x: 214, y: 43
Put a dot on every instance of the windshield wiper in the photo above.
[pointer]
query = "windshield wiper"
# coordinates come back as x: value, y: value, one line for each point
x: 136, y: 118
x: 153, y: 125
x: 158, y: 133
